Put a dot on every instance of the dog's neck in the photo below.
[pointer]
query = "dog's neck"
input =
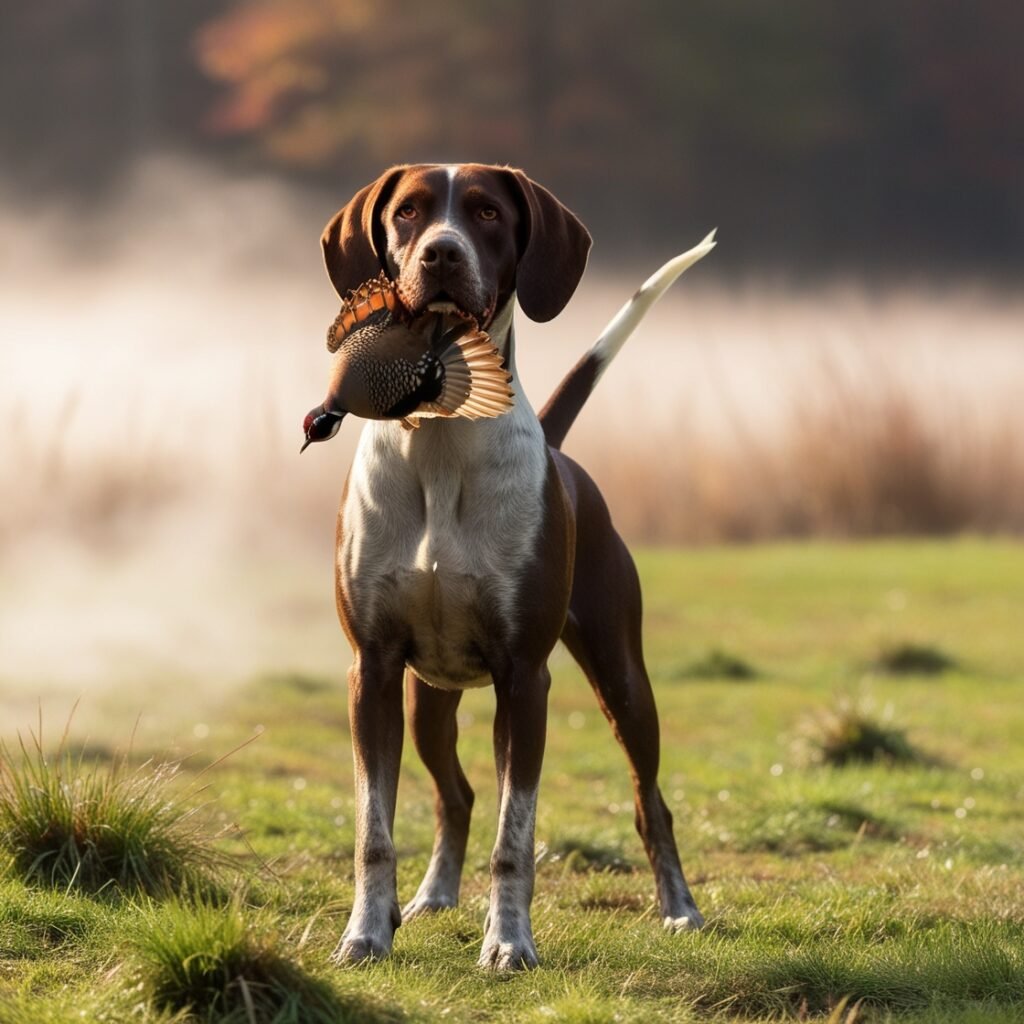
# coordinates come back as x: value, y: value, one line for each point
x: 502, y: 335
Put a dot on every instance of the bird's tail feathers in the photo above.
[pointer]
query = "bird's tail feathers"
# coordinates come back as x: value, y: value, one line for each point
x: 476, y: 382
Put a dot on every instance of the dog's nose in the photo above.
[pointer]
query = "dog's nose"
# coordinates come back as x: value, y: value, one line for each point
x: 441, y: 254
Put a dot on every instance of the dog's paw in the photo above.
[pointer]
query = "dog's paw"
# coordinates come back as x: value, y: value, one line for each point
x: 512, y: 951
x: 358, y: 949
x: 419, y: 905
x: 368, y: 936
x: 508, y: 956
x: 689, y: 921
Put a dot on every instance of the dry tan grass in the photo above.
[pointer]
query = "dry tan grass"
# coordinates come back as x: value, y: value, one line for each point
x: 103, y: 497
x: 843, y: 462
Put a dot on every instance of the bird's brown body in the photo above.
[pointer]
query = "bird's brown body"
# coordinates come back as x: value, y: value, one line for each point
x: 391, y: 366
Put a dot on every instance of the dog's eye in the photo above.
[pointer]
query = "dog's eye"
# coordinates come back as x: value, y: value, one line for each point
x: 487, y: 213
x: 406, y: 211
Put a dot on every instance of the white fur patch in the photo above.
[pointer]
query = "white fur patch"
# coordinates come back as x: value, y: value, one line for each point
x: 371, y: 925
x: 508, y: 938
x: 447, y: 228
x: 452, y: 171
x: 440, y: 886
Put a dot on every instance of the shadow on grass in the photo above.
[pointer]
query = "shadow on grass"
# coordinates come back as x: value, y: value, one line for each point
x: 36, y: 922
x: 754, y: 973
x: 901, y: 975
x: 715, y: 664
x: 811, y: 828
x: 579, y: 855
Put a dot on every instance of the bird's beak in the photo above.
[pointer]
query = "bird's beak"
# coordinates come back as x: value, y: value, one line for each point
x: 305, y: 444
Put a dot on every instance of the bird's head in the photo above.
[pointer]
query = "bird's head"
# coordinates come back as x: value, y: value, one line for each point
x: 320, y: 424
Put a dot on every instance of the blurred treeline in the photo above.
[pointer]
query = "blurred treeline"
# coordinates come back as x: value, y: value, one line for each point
x: 816, y: 135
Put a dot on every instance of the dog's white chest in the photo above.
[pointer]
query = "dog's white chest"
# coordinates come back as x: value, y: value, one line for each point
x: 437, y: 526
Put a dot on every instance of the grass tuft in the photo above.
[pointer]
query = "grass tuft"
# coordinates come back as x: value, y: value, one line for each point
x: 84, y: 824
x: 850, y: 734
x: 216, y: 965
x: 716, y: 664
x: 914, y: 659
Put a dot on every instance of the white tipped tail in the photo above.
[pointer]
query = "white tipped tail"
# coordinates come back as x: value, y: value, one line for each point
x: 622, y: 325
x: 562, y: 408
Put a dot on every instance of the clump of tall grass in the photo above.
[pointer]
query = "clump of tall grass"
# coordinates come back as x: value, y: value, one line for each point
x: 218, y: 964
x: 75, y: 823
x: 850, y: 733
x: 914, y: 659
x: 578, y: 855
x: 715, y: 664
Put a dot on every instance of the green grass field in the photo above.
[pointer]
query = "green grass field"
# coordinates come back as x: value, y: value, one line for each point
x: 898, y: 886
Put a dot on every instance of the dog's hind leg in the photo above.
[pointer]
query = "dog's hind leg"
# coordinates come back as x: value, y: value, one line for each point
x: 434, y: 732
x: 603, y: 634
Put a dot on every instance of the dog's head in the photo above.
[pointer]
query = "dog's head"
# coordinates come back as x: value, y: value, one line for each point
x: 466, y: 236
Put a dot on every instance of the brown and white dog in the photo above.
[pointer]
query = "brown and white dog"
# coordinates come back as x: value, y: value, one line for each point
x: 466, y: 550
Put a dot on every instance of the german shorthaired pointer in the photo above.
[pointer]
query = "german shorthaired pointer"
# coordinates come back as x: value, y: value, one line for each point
x: 466, y: 550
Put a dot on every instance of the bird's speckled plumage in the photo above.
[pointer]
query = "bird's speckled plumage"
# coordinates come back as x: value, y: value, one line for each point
x: 389, y: 365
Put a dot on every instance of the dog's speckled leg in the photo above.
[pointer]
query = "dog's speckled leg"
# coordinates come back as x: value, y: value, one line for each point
x: 520, y: 725
x: 375, y: 716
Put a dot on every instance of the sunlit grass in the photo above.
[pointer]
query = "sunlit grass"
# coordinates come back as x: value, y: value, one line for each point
x: 892, y: 891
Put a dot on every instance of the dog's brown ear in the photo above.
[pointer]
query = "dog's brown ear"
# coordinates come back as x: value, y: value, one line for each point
x: 353, y: 241
x: 553, y: 252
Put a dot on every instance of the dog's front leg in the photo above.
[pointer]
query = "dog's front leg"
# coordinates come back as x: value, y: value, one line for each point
x: 520, y: 724
x: 375, y: 719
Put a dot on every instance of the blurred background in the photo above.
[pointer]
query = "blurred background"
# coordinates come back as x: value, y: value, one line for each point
x: 849, y: 361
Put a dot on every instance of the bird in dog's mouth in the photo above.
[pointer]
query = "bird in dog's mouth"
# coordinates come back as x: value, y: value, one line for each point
x: 390, y: 364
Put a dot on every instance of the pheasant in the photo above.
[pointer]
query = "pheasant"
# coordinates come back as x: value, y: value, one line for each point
x: 389, y: 365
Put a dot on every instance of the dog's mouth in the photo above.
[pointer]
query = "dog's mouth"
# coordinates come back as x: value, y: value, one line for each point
x: 453, y: 307
x: 444, y: 303
x: 452, y: 313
